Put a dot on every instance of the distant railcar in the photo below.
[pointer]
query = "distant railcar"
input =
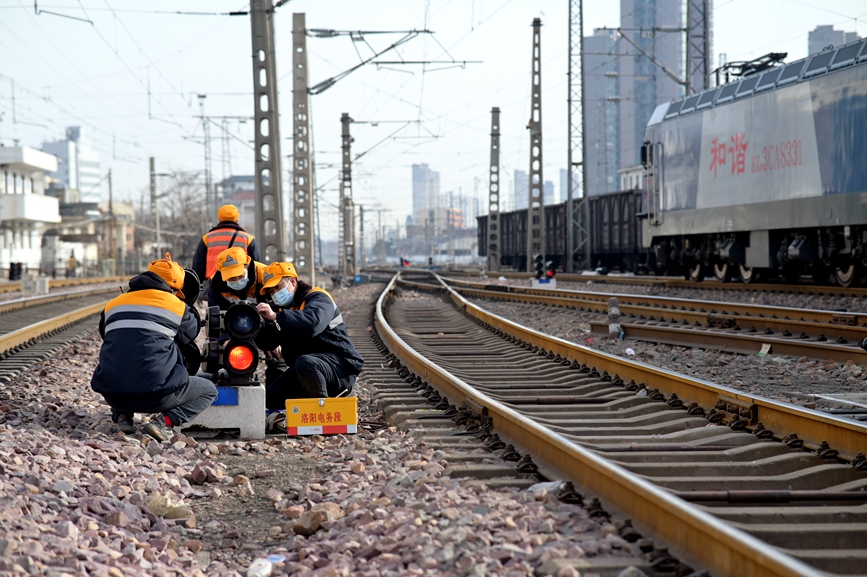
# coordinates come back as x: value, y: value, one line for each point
x: 615, y: 228
x: 764, y: 176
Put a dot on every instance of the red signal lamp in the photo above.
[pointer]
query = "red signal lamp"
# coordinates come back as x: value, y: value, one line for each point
x: 550, y: 273
x: 240, y: 357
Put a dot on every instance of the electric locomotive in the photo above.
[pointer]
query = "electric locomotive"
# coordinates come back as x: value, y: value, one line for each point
x: 763, y: 176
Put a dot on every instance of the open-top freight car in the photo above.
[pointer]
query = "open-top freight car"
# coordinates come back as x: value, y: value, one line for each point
x: 766, y: 175
x: 615, y: 231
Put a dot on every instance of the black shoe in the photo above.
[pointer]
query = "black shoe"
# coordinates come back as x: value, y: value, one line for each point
x: 125, y: 424
x: 157, y: 429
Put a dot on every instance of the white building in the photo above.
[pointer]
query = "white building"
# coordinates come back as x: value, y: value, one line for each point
x: 425, y: 189
x: 631, y: 177
x: 24, y: 208
x: 79, y: 167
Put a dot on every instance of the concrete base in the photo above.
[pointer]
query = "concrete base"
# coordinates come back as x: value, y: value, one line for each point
x: 548, y: 283
x: 235, y: 408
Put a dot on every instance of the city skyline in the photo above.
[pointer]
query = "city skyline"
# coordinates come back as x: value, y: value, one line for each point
x: 137, y: 94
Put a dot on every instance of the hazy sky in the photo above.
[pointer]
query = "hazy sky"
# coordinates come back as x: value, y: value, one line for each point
x: 71, y: 72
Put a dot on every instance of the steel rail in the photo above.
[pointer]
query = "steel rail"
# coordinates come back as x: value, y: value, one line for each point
x: 734, y: 342
x: 671, y: 305
x: 28, y: 302
x: 824, y: 338
x: 723, y: 549
x: 676, y: 282
x: 24, y: 335
x: 15, y: 286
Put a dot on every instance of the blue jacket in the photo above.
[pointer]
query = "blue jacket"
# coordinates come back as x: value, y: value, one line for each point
x: 140, y: 362
x: 313, y: 324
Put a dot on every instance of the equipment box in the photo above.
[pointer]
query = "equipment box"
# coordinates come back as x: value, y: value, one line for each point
x: 331, y: 416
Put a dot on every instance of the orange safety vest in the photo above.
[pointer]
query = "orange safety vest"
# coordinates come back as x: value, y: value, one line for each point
x: 219, y: 240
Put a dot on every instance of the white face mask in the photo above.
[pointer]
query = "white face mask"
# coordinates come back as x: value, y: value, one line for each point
x: 237, y: 284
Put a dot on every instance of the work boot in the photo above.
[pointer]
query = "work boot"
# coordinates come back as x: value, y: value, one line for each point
x: 125, y: 424
x: 157, y: 429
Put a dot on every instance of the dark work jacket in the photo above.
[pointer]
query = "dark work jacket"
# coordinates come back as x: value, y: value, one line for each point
x: 200, y: 258
x: 140, y: 363
x: 313, y: 324
x: 221, y: 295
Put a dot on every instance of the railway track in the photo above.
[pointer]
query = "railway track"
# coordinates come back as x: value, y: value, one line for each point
x: 738, y: 484
x: 32, y: 329
x: 734, y: 327
x: 806, y: 288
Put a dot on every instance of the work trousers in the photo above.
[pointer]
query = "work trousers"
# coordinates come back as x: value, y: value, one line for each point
x: 310, y: 377
x: 182, y: 406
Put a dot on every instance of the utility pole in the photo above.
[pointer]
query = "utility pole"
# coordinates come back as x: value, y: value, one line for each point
x: 494, y: 194
x: 698, y: 43
x: 361, y: 258
x: 269, y: 174
x: 112, y: 248
x: 154, y: 206
x: 347, y: 209
x: 210, y: 209
x: 536, y: 201
x: 579, y: 215
x: 302, y: 171
x: 227, y: 152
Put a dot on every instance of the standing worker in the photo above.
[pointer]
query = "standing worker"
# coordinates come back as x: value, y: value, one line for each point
x: 141, y: 368
x: 314, y: 342
x: 70, y: 265
x: 227, y: 234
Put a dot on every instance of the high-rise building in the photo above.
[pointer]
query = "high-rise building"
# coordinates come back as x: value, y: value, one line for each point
x: 549, y: 195
x: 642, y: 84
x: 79, y: 167
x: 425, y: 189
x: 602, y: 131
x: 823, y: 36
x: 522, y: 190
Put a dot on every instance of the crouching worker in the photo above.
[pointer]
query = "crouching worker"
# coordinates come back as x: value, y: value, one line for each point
x: 238, y: 278
x: 321, y: 360
x: 141, y: 368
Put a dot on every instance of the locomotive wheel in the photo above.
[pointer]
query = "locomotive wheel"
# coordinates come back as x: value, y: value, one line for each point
x: 721, y: 271
x: 848, y: 275
x: 748, y: 275
x: 696, y: 272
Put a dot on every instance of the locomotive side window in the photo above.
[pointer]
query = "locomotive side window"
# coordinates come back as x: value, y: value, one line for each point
x: 673, y: 109
x: 768, y: 79
x: 846, y: 55
x: 791, y: 72
x: 689, y: 104
x: 707, y: 98
x: 747, y: 86
x: 819, y: 63
x: 728, y: 92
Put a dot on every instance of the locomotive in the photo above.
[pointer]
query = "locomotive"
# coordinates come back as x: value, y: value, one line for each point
x: 764, y: 176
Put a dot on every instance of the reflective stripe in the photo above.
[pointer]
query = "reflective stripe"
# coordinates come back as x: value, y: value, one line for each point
x: 138, y: 324
x: 335, y: 322
x: 218, y: 240
x: 168, y: 315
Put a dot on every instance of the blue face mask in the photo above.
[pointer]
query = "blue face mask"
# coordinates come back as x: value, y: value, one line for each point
x: 237, y: 284
x: 283, y: 297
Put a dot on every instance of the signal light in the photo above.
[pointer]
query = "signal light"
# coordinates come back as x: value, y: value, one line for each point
x: 539, y: 266
x: 240, y: 358
x: 550, y: 269
x: 231, y: 344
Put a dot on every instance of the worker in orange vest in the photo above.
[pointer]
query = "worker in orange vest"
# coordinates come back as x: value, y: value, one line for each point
x: 227, y: 234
